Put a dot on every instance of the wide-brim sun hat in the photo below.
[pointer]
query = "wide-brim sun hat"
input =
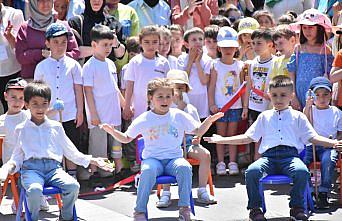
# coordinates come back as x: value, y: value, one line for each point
x: 227, y: 37
x: 314, y: 17
x: 248, y: 26
x: 179, y: 77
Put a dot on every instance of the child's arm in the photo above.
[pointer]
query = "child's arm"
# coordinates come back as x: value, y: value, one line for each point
x: 295, y: 102
x: 122, y: 100
x: 95, y: 120
x: 127, y: 110
x: 79, y: 104
x: 118, y: 135
x: 244, y: 76
x: 234, y: 140
x: 336, y: 74
x: 326, y: 142
x: 211, y: 91
x: 191, y: 60
x: 207, y: 123
x: 308, y: 108
x: 204, y: 78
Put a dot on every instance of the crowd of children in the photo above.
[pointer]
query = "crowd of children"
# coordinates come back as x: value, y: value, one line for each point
x: 171, y: 90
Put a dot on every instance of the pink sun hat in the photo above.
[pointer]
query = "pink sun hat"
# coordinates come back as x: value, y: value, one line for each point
x: 314, y: 17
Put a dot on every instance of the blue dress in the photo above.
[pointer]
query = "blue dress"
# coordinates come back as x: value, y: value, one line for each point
x: 310, y: 65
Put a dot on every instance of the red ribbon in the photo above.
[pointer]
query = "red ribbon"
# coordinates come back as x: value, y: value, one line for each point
x: 235, y: 97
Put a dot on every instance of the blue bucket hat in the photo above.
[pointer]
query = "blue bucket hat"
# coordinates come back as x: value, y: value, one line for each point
x: 320, y: 82
x: 56, y: 30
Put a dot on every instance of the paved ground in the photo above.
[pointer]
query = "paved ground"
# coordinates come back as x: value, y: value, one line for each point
x: 229, y: 191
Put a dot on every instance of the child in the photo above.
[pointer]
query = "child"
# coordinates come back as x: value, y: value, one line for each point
x: 197, y: 65
x: 39, y: 160
x: 176, y: 40
x: 210, y: 42
x: 224, y: 82
x: 163, y: 135
x: 63, y: 75
x: 193, y: 148
x: 312, y: 58
x: 284, y: 40
x: 246, y: 28
x: 165, y: 47
x: 327, y: 121
x: 264, y: 18
x: 336, y: 77
x: 103, y: 97
x: 258, y: 77
x: 282, y: 132
x: 141, y: 69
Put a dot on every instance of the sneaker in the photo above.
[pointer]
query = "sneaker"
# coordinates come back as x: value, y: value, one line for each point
x: 44, y: 204
x: 139, y: 216
x: 221, y: 168
x: 233, y: 169
x: 165, y: 200
x: 322, y: 201
x: 298, y: 214
x: 204, y: 197
x: 185, y: 214
x: 256, y: 215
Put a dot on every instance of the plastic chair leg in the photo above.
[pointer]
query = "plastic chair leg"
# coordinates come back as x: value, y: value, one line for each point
x: 261, y: 192
x: 210, y: 182
x: 159, y: 188
x: 59, y: 201
x: 4, y: 189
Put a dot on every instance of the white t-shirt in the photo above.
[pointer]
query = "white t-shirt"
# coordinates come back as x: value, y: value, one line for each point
x: 102, y: 77
x: 61, y: 75
x: 227, y: 82
x: 141, y: 70
x: 260, y: 77
x: 328, y: 121
x: 163, y: 134
x: 172, y: 61
x: 8, y: 124
x: 122, y: 74
x: 198, y: 95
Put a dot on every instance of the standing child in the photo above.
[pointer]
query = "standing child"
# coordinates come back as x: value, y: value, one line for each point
x: 224, y: 82
x: 39, y: 160
x: 327, y: 121
x: 264, y: 18
x: 103, y: 97
x: 141, y: 69
x: 246, y: 28
x: 165, y: 47
x: 177, y: 40
x: 282, y: 132
x: 197, y: 65
x: 336, y: 76
x: 63, y: 75
x: 210, y: 42
x: 162, y: 129
x: 312, y: 58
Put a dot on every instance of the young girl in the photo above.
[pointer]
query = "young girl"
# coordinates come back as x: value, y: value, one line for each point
x: 312, y: 57
x: 165, y: 46
x: 141, y: 69
x: 264, y: 18
x: 224, y: 82
x: 162, y: 129
x: 246, y: 28
x: 177, y: 40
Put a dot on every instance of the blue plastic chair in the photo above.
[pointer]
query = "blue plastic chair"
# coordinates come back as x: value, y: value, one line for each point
x: 47, y: 190
x: 163, y: 179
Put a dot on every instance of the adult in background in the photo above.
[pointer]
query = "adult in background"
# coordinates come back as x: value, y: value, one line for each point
x: 10, y: 22
x: 280, y: 7
x: 30, y: 41
x: 67, y: 9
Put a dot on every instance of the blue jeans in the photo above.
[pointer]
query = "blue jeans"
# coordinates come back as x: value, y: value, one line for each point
x: 151, y: 168
x: 328, y: 159
x: 36, y: 173
x: 277, y: 160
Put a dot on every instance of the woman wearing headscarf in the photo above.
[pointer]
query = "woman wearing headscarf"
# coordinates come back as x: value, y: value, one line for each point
x: 30, y: 41
x: 94, y: 14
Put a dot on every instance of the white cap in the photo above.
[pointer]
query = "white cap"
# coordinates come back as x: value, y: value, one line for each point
x: 227, y: 38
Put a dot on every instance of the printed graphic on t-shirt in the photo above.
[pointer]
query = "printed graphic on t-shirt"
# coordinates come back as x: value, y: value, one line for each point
x: 155, y: 132
x: 231, y: 83
x: 259, y: 76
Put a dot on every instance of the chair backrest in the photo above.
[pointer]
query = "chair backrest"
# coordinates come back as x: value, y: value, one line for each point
x: 140, y: 145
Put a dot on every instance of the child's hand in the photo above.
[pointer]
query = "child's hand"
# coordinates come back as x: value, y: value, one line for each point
x: 127, y: 112
x: 108, y: 128
x: 214, y: 109
x: 196, y: 140
x: 79, y: 118
x: 8, y: 33
x: 102, y: 164
x: 309, y: 102
x: 199, y: 55
x: 216, y: 116
x: 192, y: 55
x: 95, y: 120
x: 214, y: 139
x: 244, y: 114
x: 295, y: 103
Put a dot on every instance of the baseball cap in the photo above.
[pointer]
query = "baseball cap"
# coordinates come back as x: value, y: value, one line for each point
x: 227, y: 37
x: 314, y: 17
x: 179, y: 77
x: 248, y: 25
x: 56, y: 30
x: 17, y: 83
x: 320, y: 82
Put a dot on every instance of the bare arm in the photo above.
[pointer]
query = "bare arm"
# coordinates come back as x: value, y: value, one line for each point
x: 207, y: 123
x: 211, y: 88
x: 91, y: 104
x: 204, y: 78
x: 79, y: 104
x: 336, y: 74
x: 234, y: 140
x: 127, y: 112
x: 323, y: 141
x: 118, y: 135
x: 122, y: 100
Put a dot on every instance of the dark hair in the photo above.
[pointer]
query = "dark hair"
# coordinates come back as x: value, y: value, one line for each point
x: 283, y: 31
x: 37, y: 89
x: 100, y: 32
x: 259, y: 13
x: 211, y: 31
x: 281, y: 81
x: 320, y: 37
x: 225, y: 11
x: 191, y: 31
x: 219, y: 20
x: 286, y: 19
x: 132, y: 44
x: 149, y: 30
x: 265, y: 34
x: 176, y: 27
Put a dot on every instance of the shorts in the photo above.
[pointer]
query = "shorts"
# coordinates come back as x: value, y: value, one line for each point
x: 232, y: 115
x: 252, y: 115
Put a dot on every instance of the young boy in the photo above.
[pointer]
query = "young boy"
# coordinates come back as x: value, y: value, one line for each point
x: 40, y: 158
x: 284, y: 40
x: 282, y: 131
x: 327, y: 121
x: 63, y: 75
x: 258, y: 77
x: 210, y: 42
x: 197, y: 65
x: 103, y: 97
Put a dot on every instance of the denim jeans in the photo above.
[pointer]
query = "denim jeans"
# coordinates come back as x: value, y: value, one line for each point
x: 151, y: 168
x: 328, y: 159
x: 277, y: 160
x: 36, y: 173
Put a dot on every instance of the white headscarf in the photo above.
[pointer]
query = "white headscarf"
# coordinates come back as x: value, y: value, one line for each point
x: 38, y: 20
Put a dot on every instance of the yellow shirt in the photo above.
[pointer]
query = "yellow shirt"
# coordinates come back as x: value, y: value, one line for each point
x: 279, y: 66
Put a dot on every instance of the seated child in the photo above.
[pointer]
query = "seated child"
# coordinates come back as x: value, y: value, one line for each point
x: 193, y: 148
x: 282, y: 131
x: 162, y: 129
x: 39, y: 159
x: 327, y: 121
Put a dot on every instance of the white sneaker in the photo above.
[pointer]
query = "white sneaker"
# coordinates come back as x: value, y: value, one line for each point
x: 233, y: 168
x: 221, y: 168
x: 204, y: 197
x: 44, y: 204
x: 165, y: 200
